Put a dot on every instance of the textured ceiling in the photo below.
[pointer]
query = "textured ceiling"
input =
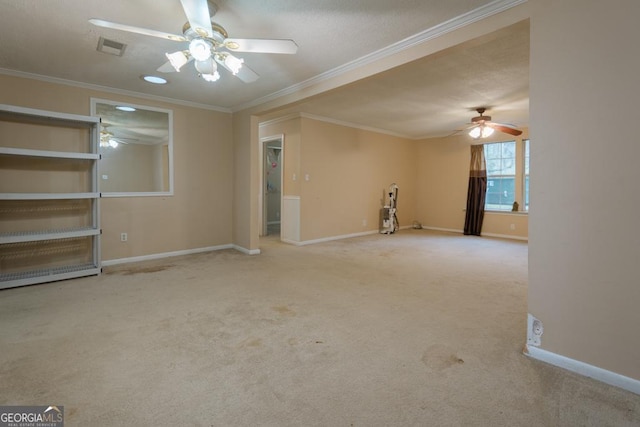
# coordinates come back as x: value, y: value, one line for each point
x: 426, y: 97
x: 438, y: 94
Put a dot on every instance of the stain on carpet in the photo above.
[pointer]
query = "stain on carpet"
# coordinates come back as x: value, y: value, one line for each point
x: 285, y: 311
x: 137, y: 270
x: 251, y: 342
x: 438, y: 358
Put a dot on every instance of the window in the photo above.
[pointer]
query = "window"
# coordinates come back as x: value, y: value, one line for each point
x: 501, y: 175
x: 507, y: 175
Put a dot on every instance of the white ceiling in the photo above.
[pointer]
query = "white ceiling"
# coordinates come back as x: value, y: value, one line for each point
x: 429, y: 97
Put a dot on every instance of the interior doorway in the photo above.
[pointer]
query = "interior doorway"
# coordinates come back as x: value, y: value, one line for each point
x: 272, y: 155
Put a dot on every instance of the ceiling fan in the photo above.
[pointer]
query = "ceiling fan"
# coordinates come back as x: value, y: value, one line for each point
x: 108, y: 139
x: 208, y: 44
x: 483, y: 127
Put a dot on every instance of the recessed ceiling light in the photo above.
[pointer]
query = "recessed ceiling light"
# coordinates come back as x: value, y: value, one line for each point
x: 125, y: 108
x: 155, y: 80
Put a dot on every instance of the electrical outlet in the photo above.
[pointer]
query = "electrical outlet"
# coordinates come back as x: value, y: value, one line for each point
x: 513, y: 226
x: 123, y: 237
x: 364, y: 222
x: 534, y: 331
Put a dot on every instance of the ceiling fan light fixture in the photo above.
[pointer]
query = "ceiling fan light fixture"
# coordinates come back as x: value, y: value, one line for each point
x: 211, y: 77
x: 487, y: 131
x: 208, y: 70
x: 234, y: 64
x: 206, y: 67
x: 177, y: 59
x: 200, y: 49
x: 481, y: 131
x: 112, y: 143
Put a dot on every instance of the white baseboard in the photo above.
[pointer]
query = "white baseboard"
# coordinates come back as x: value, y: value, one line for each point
x: 331, y: 238
x: 505, y: 236
x: 501, y: 236
x: 339, y: 237
x: 291, y: 242
x: 584, y: 369
x: 150, y: 257
x: 245, y: 250
x: 448, y: 230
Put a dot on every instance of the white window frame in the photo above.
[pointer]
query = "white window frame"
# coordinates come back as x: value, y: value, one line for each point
x: 519, y: 177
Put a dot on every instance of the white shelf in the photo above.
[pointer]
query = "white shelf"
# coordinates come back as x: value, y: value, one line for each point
x: 35, y: 115
x: 35, y: 236
x: 50, y: 154
x: 10, y: 280
x: 46, y: 244
x: 48, y: 196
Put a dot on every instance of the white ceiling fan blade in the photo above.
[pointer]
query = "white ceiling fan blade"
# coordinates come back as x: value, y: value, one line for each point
x: 197, y: 12
x: 284, y: 46
x: 166, y: 68
x: 138, y: 30
x: 247, y: 75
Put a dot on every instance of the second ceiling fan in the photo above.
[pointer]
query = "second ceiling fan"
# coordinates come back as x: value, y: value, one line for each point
x: 483, y: 127
x: 208, y: 44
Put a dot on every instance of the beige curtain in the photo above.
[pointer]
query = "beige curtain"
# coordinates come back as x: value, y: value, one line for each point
x: 476, y: 192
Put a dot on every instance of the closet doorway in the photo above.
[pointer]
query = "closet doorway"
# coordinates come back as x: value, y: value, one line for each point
x: 272, y: 155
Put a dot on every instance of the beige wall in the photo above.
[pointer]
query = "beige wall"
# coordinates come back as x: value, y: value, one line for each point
x: 246, y: 178
x: 200, y: 212
x: 584, y: 234
x: 443, y: 178
x: 349, y: 172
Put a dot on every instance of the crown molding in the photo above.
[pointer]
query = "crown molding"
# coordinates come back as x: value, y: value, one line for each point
x: 57, y: 80
x: 453, y: 24
x: 279, y: 119
x: 354, y: 125
x: 324, y: 119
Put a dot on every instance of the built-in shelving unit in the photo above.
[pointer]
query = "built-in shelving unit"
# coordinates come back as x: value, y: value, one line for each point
x: 49, y: 199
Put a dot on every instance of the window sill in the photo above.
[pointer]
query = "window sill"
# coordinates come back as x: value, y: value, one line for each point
x: 506, y: 212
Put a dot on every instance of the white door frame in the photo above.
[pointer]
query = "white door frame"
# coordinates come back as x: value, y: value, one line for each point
x: 262, y: 205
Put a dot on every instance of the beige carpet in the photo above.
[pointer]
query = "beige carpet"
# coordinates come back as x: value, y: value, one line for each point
x: 414, y: 329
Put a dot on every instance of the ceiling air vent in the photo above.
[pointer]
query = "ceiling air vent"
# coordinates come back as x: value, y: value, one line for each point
x: 111, y: 47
